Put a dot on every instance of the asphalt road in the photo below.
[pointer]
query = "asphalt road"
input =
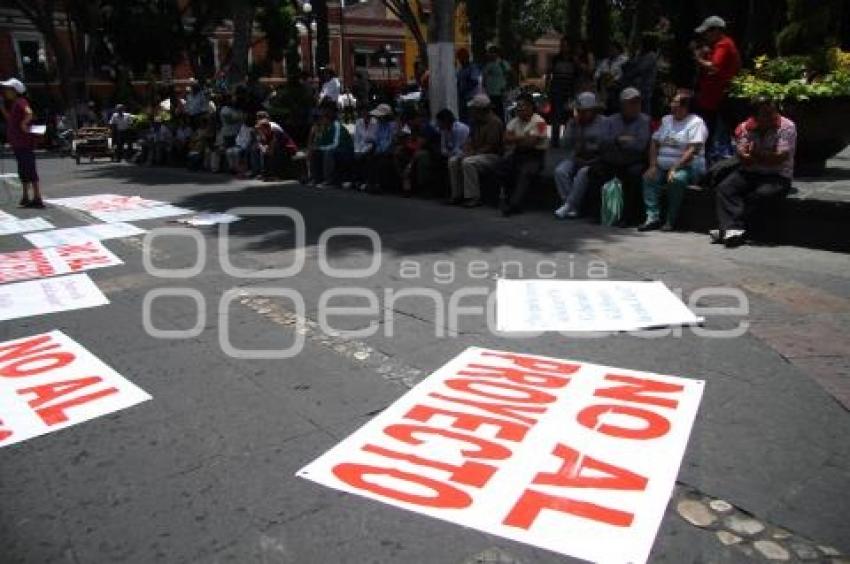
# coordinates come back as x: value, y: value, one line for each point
x: 205, y: 471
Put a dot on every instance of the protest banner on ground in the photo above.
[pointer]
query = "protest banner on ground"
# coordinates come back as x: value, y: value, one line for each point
x: 140, y: 214
x: 573, y: 457
x: 4, y: 215
x: 76, y: 235
x: 38, y: 297
x: 587, y: 305
x: 53, y: 261
x: 105, y: 202
x: 49, y: 382
x: 14, y: 225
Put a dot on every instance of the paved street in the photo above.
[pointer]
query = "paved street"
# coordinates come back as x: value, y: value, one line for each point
x: 204, y: 472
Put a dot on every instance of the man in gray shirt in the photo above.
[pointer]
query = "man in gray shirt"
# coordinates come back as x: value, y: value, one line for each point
x: 624, y: 152
x: 583, y: 141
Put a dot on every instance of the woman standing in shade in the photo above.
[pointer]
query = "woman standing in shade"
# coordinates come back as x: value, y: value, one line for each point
x: 18, y: 115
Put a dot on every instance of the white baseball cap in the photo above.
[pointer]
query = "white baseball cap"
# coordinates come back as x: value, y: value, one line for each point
x: 711, y: 22
x: 586, y: 101
x: 15, y: 84
x: 480, y: 101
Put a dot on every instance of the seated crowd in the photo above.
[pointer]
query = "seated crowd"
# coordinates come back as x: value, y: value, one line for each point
x: 409, y: 154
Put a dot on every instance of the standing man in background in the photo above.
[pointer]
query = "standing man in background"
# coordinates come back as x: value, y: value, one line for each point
x: 18, y: 115
x: 717, y: 66
x: 496, y: 74
x: 468, y: 83
x: 560, y: 83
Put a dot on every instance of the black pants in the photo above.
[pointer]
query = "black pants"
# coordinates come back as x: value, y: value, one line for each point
x: 520, y: 170
x: 381, y: 173
x: 630, y: 176
x: 739, y: 193
x: 120, y: 140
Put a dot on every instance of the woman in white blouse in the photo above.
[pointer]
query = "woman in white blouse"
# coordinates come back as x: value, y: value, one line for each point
x: 676, y: 159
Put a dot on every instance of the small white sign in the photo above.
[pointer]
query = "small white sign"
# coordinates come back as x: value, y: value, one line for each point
x: 576, y: 458
x: 584, y: 305
x: 49, y: 382
x: 52, y: 261
x: 76, y: 235
x: 140, y: 214
x: 105, y: 202
x: 38, y: 297
x: 10, y: 226
x: 208, y: 218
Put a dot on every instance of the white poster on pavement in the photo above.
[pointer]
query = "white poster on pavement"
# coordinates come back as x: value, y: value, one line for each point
x: 140, y: 214
x: 576, y: 458
x: 587, y: 305
x: 38, y: 297
x: 75, y: 235
x: 206, y: 219
x: 14, y: 225
x: 104, y: 202
x: 49, y: 382
x: 6, y: 216
x: 53, y: 261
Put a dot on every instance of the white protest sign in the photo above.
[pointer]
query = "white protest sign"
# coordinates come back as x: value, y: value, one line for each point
x: 6, y: 216
x: 49, y: 382
x: 11, y: 226
x: 587, y: 305
x: 576, y: 458
x: 76, y: 235
x: 140, y: 214
x: 105, y: 202
x: 38, y: 297
x: 52, y: 261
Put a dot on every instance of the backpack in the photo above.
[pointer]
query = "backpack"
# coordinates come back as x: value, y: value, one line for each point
x: 612, y: 202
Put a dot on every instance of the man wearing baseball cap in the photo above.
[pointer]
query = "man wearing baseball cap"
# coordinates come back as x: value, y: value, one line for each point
x: 18, y: 116
x: 583, y: 140
x: 482, y: 153
x: 717, y: 66
x: 624, y: 152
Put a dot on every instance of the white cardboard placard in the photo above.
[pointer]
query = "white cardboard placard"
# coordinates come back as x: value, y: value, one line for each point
x: 49, y: 295
x: 76, y: 235
x: 105, y: 202
x: 53, y: 261
x: 140, y: 214
x: 573, y: 457
x: 12, y: 226
x: 49, y: 382
x: 587, y: 305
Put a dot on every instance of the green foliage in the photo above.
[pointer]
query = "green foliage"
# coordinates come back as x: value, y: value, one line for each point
x: 785, y: 78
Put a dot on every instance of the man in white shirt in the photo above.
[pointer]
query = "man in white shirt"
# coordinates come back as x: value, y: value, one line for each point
x: 526, y: 142
x: 331, y: 86
x: 120, y: 122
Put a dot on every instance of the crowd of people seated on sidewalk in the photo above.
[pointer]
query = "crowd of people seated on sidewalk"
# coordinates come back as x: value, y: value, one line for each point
x: 652, y: 163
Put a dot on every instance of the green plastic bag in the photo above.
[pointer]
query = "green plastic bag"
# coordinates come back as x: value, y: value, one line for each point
x: 612, y: 202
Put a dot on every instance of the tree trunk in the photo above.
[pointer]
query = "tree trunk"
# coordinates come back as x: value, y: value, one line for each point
x: 599, y: 27
x: 574, y: 17
x: 323, y: 48
x: 243, y: 27
x: 441, y: 54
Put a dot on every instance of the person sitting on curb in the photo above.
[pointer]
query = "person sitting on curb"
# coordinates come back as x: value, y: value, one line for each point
x: 276, y: 147
x: 380, y: 167
x: 676, y: 159
x: 526, y: 142
x: 766, y: 143
x: 583, y: 141
x: 453, y: 136
x: 334, y: 150
x: 624, y: 152
x: 482, y: 154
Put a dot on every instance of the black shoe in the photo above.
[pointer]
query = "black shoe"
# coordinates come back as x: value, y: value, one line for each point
x: 650, y: 225
x: 667, y: 227
x: 735, y: 240
x: 36, y: 204
x: 453, y: 201
x: 473, y: 203
x: 24, y: 203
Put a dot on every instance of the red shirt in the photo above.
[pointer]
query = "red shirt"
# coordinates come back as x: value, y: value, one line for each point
x: 18, y: 138
x: 712, y: 86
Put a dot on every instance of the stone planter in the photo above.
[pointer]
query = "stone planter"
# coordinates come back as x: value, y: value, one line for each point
x: 823, y: 129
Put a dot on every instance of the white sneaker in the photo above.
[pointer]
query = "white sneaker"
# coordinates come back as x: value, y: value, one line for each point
x: 733, y: 234
x: 563, y: 211
x: 572, y: 214
x: 716, y: 236
x: 347, y: 185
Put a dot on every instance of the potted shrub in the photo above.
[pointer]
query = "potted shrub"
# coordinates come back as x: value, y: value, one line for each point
x: 814, y: 93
